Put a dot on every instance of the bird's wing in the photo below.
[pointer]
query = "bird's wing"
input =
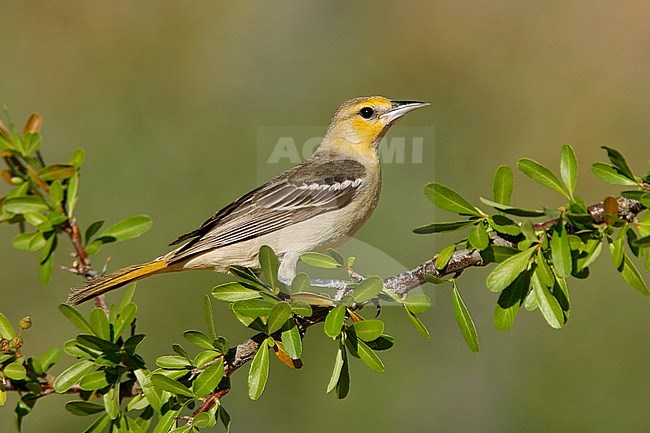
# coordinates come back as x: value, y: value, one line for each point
x: 301, y: 193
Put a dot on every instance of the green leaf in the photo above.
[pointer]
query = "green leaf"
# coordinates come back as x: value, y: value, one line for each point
x: 618, y: 161
x: 18, y: 205
x: 57, y: 172
x: 593, y: 248
x: 204, y: 357
x: 509, y: 301
x: 201, y: 420
x: 47, y: 261
x: 631, y: 275
x: 98, y: 425
x: 165, y: 383
x: 561, y: 251
x: 319, y: 260
x: 97, y: 343
x: 444, y: 256
x: 561, y: 293
x: 167, y: 421
x: 541, y: 175
x: 449, y: 200
x: 99, y: 323
x: 342, y: 387
x: 369, y: 330
x: 338, y: 366
x: 92, y: 230
x: 337, y: 256
x: 224, y: 416
x: 617, y: 248
x: 173, y: 362
x: 292, y: 342
x: 29, y: 241
x: 443, y: 227
x: 513, y: 210
x: 300, y: 283
x: 6, y: 330
x: 609, y: 174
x: 280, y: 313
x: 234, y: 292
x: 38, y: 220
x: 569, y: 168
x: 128, y: 228
x: 71, y: 194
x: 465, y: 322
x: 208, y: 316
x: 93, y: 381
x: 504, y: 225
x: 83, y: 408
x: 259, y: 372
x: 631, y: 238
x: 198, y: 339
x: 478, y: 237
x: 369, y: 357
x: 383, y: 342
x: 77, y: 158
x: 508, y: 270
x: 548, y: 305
x: 269, y: 264
x: 641, y: 242
x: 417, y: 323
x: 301, y: 308
x: 543, y: 270
x: 50, y: 357
x: 334, y: 321
x: 368, y: 289
x: 72, y: 375
x: 112, y: 402
x: 180, y: 351
x: 498, y: 253
x: 56, y: 194
x: 126, y: 317
x: 528, y: 230
x: 502, y: 188
x: 317, y: 299
x: 208, y: 380
x: 417, y: 303
x: 76, y: 318
x: 253, y: 307
x: 15, y: 371
x: 248, y: 276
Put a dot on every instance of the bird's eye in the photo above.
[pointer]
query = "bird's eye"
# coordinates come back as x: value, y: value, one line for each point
x: 366, y: 112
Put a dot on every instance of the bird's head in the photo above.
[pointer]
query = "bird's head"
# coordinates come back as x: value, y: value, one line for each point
x: 360, y: 123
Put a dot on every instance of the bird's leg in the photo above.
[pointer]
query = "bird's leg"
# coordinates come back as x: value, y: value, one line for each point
x: 318, y: 282
x: 342, y: 286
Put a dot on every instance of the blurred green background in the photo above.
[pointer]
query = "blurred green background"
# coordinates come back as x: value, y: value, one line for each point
x: 168, y: 98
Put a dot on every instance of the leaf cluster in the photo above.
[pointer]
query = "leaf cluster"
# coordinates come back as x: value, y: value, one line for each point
x: 533, y: 261
x: 43, y: 198
x: 280, y: 312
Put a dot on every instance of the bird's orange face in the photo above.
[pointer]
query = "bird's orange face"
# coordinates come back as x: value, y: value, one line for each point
x: 362, y: 122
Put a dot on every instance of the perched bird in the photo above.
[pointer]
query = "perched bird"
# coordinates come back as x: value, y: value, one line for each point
x: 317, y: 204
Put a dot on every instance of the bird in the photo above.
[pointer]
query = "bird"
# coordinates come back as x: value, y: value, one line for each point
x: 317, y: 204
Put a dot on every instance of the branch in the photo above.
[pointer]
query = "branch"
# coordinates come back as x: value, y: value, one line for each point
x: 82, y: 265
x: 402, y: 283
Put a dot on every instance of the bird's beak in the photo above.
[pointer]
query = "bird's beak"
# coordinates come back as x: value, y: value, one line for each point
x: 399, y: 109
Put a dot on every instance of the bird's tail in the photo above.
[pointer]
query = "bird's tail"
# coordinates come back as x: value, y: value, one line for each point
x: 115, y: 280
